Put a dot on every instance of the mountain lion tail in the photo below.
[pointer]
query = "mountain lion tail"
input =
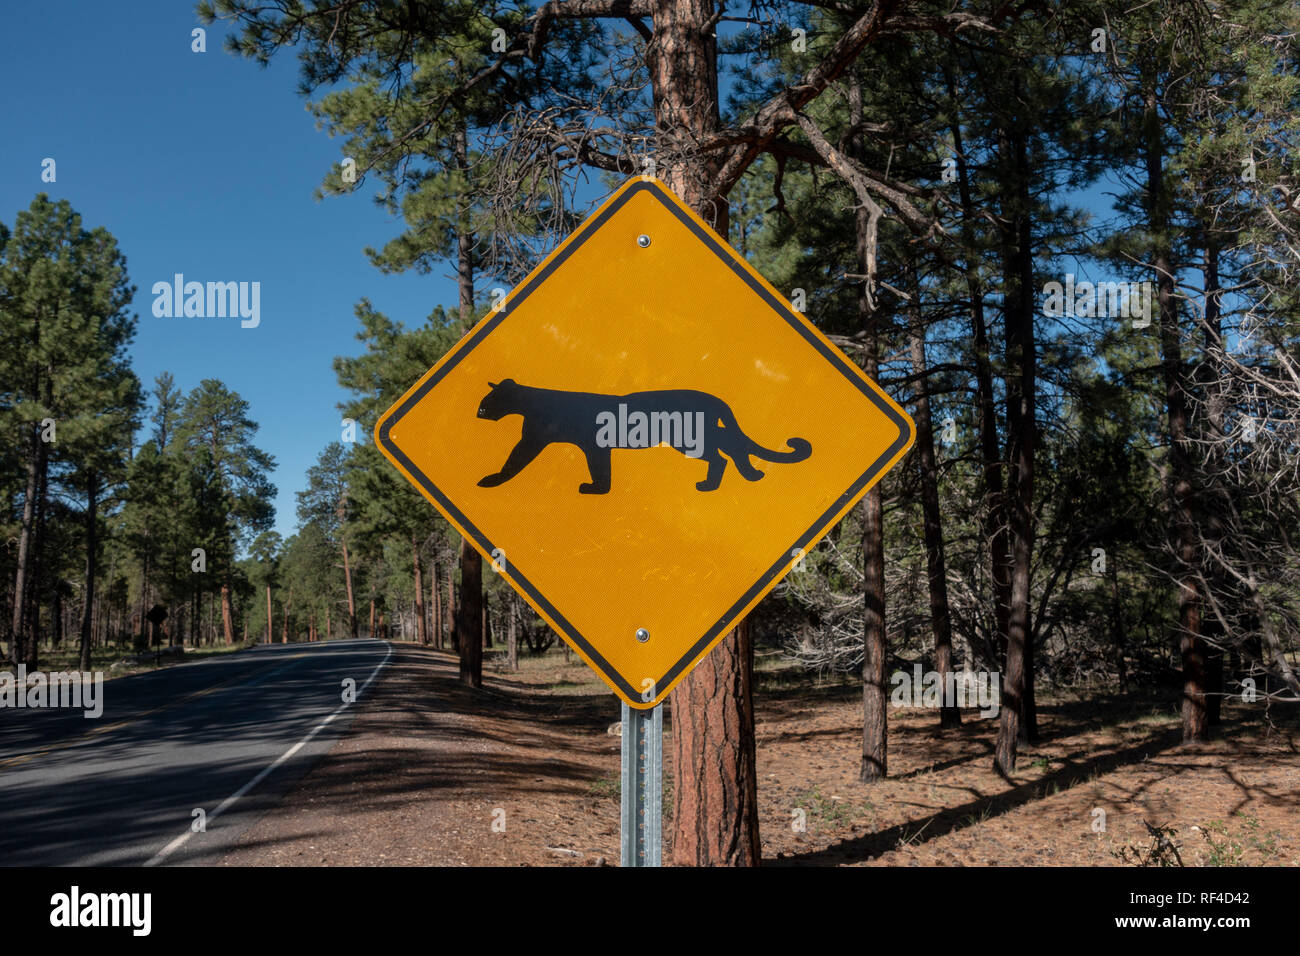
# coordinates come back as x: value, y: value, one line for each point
x: 799, y: 450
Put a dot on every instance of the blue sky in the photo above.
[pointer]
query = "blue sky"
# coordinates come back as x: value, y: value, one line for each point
x: 203, y: 164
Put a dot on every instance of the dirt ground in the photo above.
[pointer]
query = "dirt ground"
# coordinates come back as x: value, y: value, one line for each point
x: 525, y: 773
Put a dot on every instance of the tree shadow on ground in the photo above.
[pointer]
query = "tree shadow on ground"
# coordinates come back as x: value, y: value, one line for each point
x: 949, y: 820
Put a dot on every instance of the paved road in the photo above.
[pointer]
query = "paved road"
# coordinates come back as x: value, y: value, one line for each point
x: 225, y: 735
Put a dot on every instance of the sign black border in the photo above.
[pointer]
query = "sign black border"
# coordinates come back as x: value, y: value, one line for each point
x: 834, y: 357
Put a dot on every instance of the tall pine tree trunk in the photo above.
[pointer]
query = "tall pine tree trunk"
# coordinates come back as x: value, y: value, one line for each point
x: 37, y: 568
x: 1181, y: 484
x: 1214, y: 507
x: 92, y: 544
x: 1017, y: 717
x: 144, y: 600
x: 875, y: 691
x: 715, y: 791
x: 940, y: 619
x: 421, y: 626
x: 512, y: 633
x: 284, y: 630
x: 451, y: 608
x: 715, y: 797
x: 469, y: 622
x: 435, y: 602
x: 36, y: 459
x: 352, y: 604
x: 227, y: 610
x: 995, y: 519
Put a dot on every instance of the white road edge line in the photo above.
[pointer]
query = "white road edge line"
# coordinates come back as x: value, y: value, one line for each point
x: 226, y: 804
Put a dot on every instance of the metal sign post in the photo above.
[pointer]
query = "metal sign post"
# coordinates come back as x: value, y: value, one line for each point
x: 642, y: 792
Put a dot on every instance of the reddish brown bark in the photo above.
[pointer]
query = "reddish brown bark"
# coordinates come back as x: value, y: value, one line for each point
x: 715, y: 820
x: 715, y: 791
x: 284, y: 630
x: 352, y: 607
x: 227, y: 611
x: 1181, y: 482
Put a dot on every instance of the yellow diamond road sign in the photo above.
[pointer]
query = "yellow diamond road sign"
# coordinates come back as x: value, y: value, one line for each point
x: 644, y: 438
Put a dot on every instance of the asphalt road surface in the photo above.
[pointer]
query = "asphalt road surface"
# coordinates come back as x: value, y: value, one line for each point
x: 225, y: 736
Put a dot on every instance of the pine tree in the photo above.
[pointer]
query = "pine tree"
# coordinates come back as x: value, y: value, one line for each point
x: 63, y: 339
x: 214, y: 421
x: 325, y: 504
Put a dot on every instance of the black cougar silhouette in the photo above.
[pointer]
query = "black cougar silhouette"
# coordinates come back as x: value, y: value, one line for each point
x: 576, y: 418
